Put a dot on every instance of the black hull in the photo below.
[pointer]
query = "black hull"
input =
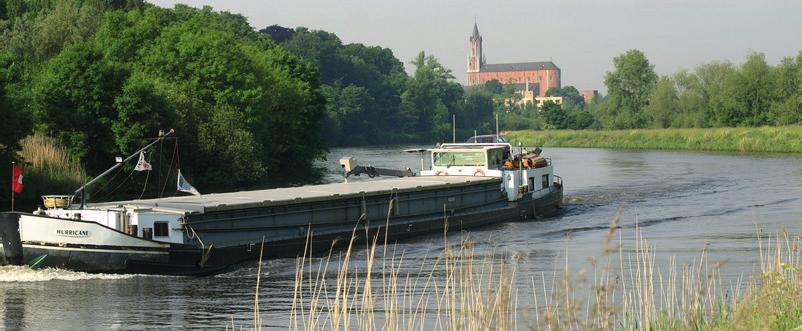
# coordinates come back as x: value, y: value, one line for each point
x: 196, y: 261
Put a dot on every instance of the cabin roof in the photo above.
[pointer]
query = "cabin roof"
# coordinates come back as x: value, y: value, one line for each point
x: 468, y: 146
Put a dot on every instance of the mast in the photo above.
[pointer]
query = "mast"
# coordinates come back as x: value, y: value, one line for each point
x: 82, y: 189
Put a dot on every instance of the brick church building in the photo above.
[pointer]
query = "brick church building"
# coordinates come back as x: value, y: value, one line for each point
x: 537, y: 77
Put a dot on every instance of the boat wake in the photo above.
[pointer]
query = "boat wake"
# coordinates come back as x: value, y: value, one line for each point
x: 9, y: 274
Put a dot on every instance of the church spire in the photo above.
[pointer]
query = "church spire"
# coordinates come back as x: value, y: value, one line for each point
x: 475, y: 56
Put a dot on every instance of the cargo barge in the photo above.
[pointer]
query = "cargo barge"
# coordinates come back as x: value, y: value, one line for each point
x: 468, y: 185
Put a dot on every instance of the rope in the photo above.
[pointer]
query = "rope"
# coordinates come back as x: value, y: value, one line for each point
x: 178, y: 163
x: 118, y: 186
x: 170, y: 169
x: 144, y: 186
x: 100, y: 189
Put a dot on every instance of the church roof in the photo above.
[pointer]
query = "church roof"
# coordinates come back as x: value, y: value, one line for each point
x: 524, y: 66
x: 475, y: 31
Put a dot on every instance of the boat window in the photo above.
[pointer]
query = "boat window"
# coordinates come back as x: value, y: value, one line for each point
x: 495, y: 157
x: 453, y: 158
x: 160, y: 229
x: 545, y: 181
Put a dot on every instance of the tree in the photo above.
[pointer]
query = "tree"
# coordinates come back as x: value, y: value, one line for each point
x: 67, y: 23
x: 663, y: 104
x: 751, y: 90
x: 628, y: 88
x: 74, y: 102
x: 250, y: 106
x: 553, y: 115
x: 320, y: 48
x: 571, y: 97
x: 278, y: 33
x: 430, y: 99
x: 477, y: 112
x: 15, y: 123
x: 703, y: 95
x: 494, y: 86
x: 787, y: 106
x: 579, y: 120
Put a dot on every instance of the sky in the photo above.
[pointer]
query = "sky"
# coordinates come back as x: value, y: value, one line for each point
x: 581, y: 36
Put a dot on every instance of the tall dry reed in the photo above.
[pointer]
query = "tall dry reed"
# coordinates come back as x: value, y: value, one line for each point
x: 373, y: 287
x: 49, y: 168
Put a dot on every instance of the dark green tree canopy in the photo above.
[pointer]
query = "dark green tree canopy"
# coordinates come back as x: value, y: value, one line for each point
x: 102, y: 76
x: 628, y: 88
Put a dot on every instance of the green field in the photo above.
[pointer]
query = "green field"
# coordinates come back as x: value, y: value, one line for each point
x: 784, y: 139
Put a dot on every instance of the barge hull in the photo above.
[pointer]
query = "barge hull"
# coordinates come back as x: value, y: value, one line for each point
x: 458, y: 207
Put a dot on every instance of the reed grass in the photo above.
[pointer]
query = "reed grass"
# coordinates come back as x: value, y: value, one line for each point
x: 49, y: 168
x: 782, y: 139
x: 458, y: 289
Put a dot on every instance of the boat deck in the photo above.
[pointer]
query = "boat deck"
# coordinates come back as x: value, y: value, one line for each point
x: 292, y: 195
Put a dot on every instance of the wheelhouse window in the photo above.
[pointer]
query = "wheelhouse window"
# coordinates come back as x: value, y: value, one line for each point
x: 545, y: 181
x: 495, y: 157
x: 160, y: 229
x: 454, y: 158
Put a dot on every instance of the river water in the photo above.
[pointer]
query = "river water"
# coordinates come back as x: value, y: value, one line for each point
x: 684, y: 203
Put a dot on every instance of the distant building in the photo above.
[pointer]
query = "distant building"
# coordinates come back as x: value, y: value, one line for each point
x: 528, y: 96
x: 540, y: 76
x: 588, y: 95
x: 541, y: 100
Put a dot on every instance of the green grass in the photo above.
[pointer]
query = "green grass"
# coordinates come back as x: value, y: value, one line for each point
x: 784, y: 139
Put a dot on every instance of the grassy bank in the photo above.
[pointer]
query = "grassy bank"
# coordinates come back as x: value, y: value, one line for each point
x: 784, y: 139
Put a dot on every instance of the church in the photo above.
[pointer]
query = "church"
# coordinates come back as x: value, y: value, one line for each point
x: 534, y: 77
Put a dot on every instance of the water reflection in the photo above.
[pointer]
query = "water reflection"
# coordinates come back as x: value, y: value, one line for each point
x: 14, y: 309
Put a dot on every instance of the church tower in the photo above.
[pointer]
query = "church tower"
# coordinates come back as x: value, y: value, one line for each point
x: 475, y: 57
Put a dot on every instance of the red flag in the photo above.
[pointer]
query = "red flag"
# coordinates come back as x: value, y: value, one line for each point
x: 16, y: 178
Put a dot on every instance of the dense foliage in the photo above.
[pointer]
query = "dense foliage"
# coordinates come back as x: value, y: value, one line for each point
x: 371, y: 100
x: 716, y: 94
x: 101, y: 76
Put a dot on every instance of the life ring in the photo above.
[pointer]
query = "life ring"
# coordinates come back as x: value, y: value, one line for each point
x: 480, y: 172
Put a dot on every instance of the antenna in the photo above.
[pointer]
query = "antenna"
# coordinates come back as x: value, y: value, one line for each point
x: 497, y: 127
x: 454, y: 128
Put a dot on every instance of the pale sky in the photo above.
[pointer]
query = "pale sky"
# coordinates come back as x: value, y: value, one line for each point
x: 580, y: 36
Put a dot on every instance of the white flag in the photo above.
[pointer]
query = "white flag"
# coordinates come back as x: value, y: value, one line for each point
x: 143, y: 165
x: 185, y: 186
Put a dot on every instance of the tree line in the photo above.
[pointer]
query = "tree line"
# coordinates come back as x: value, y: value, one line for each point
x: 715, y: 94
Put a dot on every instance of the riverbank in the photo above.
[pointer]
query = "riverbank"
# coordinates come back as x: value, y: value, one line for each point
x: 784, y: 139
